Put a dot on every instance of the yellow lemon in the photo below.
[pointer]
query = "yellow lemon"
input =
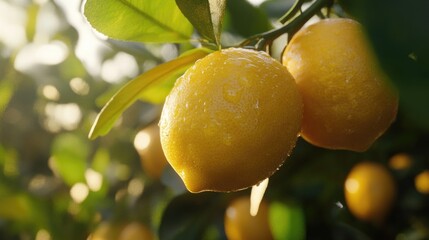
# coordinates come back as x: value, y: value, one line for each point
x: 400, y: 161
x: 422, y: 182
x: 148, y: 145
x: 240, y: 225
x: 348, y: 101
x: 231, y: 120
x: 369, y: 191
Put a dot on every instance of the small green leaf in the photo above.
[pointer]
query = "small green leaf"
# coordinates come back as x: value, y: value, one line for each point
x: 134, y: 89
x: 287, y: 221
x: 7, y: 87
x: 146, y: 21
x: 206, y: 16
x: 32, y: 14
x: 69, y: 153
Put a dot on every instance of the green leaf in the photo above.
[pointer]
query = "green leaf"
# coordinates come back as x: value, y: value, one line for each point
x: 134, y: 89
x: 101, y: 160
x: 147, y: 21
x: 206, y: 16
x: 32, y: 14
x: 16, y: 207
x: 287, y: 221
x: 69, y: 153
x: 7, y: 88
x: 247, y: 20
x: 187, y: 216
x: 157, y: 93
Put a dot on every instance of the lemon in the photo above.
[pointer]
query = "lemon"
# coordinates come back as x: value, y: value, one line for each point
x: 369, y: 191
x: 240, y: 225
x: 231, y: 120
x: 400, y: 161
x: 421, y: 182
x: 148, y: 145
x: 348, y: 100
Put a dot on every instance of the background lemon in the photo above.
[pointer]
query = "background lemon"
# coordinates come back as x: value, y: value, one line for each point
x: 421, y: 182
x: 240, y: 225
x: 400, y: 161
x: 231, y: 120
x: 148, y: 146
x: 348, y: 102
x: 369, y: 191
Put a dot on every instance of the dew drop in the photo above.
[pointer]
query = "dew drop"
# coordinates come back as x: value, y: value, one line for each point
x: 227, y: 139
x: 257, y: 104
x: 231, y: 93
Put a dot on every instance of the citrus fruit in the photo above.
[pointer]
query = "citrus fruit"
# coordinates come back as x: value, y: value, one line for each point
x: 421, y: 182
x: 348, y: 100
x: 240, y: 225
x: 231, y: 120
x: 136, y: 231
x: 148, y: 146
x: 400, y: 161
x: 369, y: 191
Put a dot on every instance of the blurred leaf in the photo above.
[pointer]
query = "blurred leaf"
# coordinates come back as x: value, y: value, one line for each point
x: 69, y: 153
x: 133, y: 90
x: 101, y: 160
x: 6, y: 90
x: 32, y: 13
x: 287, y: 221
x: 345, y: 231
x: 246, y: 19
x: 205, y: 15
x: 15, y: 207
x: 187, y: 216
x: 146, y: 21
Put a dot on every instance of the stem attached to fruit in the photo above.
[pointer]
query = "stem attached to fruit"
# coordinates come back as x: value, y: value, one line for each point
x: 263, y: 40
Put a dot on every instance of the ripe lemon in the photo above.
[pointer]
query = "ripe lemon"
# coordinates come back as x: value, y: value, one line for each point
x: 422, y: 182
x: 400, y: 161
x: 231, y: 120
x: 348, y: 101
x: 369, y: 191
x: 240, y: 225
x: 148, y: 145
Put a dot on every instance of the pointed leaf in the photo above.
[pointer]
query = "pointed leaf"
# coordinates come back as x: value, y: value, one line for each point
x: 146, y: 21
x: 156, y: 93
x: 205, y: 15
x: 133, y: 90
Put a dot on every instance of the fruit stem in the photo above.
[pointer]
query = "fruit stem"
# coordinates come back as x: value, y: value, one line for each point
x: 268, y: 37
x: 292, y: 11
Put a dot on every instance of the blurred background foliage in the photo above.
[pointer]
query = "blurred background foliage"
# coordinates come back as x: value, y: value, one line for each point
x: 56, y: 73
